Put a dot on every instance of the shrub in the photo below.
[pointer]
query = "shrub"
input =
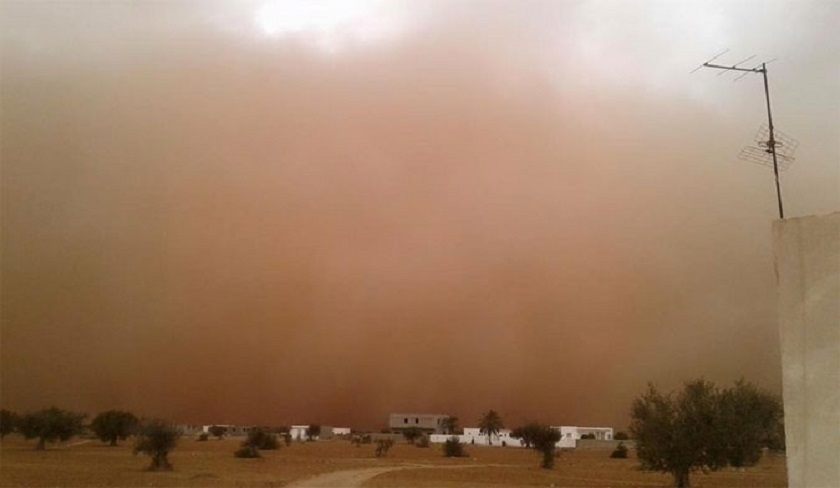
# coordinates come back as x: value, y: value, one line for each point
x: 620, y: 451
x: 246, y: 452
x: 411, y: 434
x: 621, y: 436
x: 257, y: 440
x: 202, y: 437
x: 423, y: 441
x: 453, y: 448
x: 262, y: 440
x: 383, y: 446
x: 217, y: 431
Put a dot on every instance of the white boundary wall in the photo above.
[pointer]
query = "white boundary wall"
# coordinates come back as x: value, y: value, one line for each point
x: 808, y: 270
x: 568, y: 436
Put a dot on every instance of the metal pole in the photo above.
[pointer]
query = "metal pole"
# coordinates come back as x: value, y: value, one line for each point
x: 771, y: 143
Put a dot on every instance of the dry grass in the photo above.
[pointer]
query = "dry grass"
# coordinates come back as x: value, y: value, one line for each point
x: 211, y: 463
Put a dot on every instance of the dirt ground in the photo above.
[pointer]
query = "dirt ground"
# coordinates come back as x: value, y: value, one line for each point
x: 80, y: 463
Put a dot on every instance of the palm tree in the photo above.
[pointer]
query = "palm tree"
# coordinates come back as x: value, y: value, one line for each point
x: 490, y: 424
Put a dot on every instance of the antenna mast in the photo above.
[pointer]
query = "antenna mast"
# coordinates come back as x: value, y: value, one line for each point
x: 771, y: 142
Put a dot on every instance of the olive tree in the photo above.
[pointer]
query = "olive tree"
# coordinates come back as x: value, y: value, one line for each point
x: 156, y: 438
x: 50, y: 425
x: 8, y: 422
x: 678, y: 433
x: 113, y: 425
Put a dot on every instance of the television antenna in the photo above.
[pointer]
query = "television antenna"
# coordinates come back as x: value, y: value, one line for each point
x: 773, y: 146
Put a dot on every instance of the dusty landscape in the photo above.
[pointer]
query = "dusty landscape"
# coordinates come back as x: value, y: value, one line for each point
x: 88, y: 463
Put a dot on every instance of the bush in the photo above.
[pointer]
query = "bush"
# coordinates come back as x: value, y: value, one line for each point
x: 383, y: 446
x: 423, y: 441
x: 246, y: 452
x: 202, y: 437
x: 257, y: 440
x: 620, y: 451
x: 262, y: 440
x: 453, y: 448
x: 217, y: 431
x: 359, y: 439
x: 156, y: 438
x: 621, y: 436
x: 411, y: 434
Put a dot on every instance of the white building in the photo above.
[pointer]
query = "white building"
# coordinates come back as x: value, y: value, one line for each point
x: 473, y: 435
x: 298, y: 432
x: 341, y: 431
x: 568, y: 436
x: 231, y: 430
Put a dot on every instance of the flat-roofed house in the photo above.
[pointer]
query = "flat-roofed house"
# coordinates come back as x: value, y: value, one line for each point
x: 431, y: 423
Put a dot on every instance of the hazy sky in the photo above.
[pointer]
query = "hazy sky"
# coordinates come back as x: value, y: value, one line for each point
x: 288, y: 212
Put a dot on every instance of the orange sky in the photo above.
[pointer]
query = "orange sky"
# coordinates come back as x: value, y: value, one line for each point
x: 265, y: 213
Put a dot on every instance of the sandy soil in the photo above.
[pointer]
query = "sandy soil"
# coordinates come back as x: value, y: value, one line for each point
x: 339, y: 463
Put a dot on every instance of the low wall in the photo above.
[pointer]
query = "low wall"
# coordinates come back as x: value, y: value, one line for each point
x: 592, y: 444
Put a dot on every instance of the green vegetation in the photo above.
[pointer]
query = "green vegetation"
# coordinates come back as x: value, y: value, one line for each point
x: 453, y: 448
x: 620, y: 451
x: 8, y: 422
x: 545, y: 441
x: 450, y: 425
x: 541, y: 438
x: 114, y: 425
x: 217, y: 431
x: 50, y: 425
x: 527, y: 434
x: 490, y: 424
x: 312, y: 432
x: 411, y: 434
x: 383, y: 446
x: 703, y: 428
x: 156, y: 438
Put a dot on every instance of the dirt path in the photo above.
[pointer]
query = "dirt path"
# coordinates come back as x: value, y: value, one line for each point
x: 352, y: 478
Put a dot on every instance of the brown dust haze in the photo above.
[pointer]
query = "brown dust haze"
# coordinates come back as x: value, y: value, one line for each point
x: 429, y: 207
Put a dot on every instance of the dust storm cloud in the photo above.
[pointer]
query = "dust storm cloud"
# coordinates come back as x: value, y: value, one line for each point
x: 482, y: 207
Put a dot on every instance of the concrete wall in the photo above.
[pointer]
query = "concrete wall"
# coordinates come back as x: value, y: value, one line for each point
x: 425, y: 421
x: 808, y: 269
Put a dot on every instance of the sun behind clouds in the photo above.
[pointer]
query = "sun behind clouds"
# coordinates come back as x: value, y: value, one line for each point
x: 330, y: 24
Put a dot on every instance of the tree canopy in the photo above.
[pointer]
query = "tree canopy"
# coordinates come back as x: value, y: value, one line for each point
x: 50, y: 425
x: 490, y: 424
x: 450, y: 425
x: 527, y: 433
x: 8, y: 422
x: 113, y: 425
x: 702, y: 428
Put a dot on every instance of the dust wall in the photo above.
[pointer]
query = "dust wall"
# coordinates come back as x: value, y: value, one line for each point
x: 808, y: 269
